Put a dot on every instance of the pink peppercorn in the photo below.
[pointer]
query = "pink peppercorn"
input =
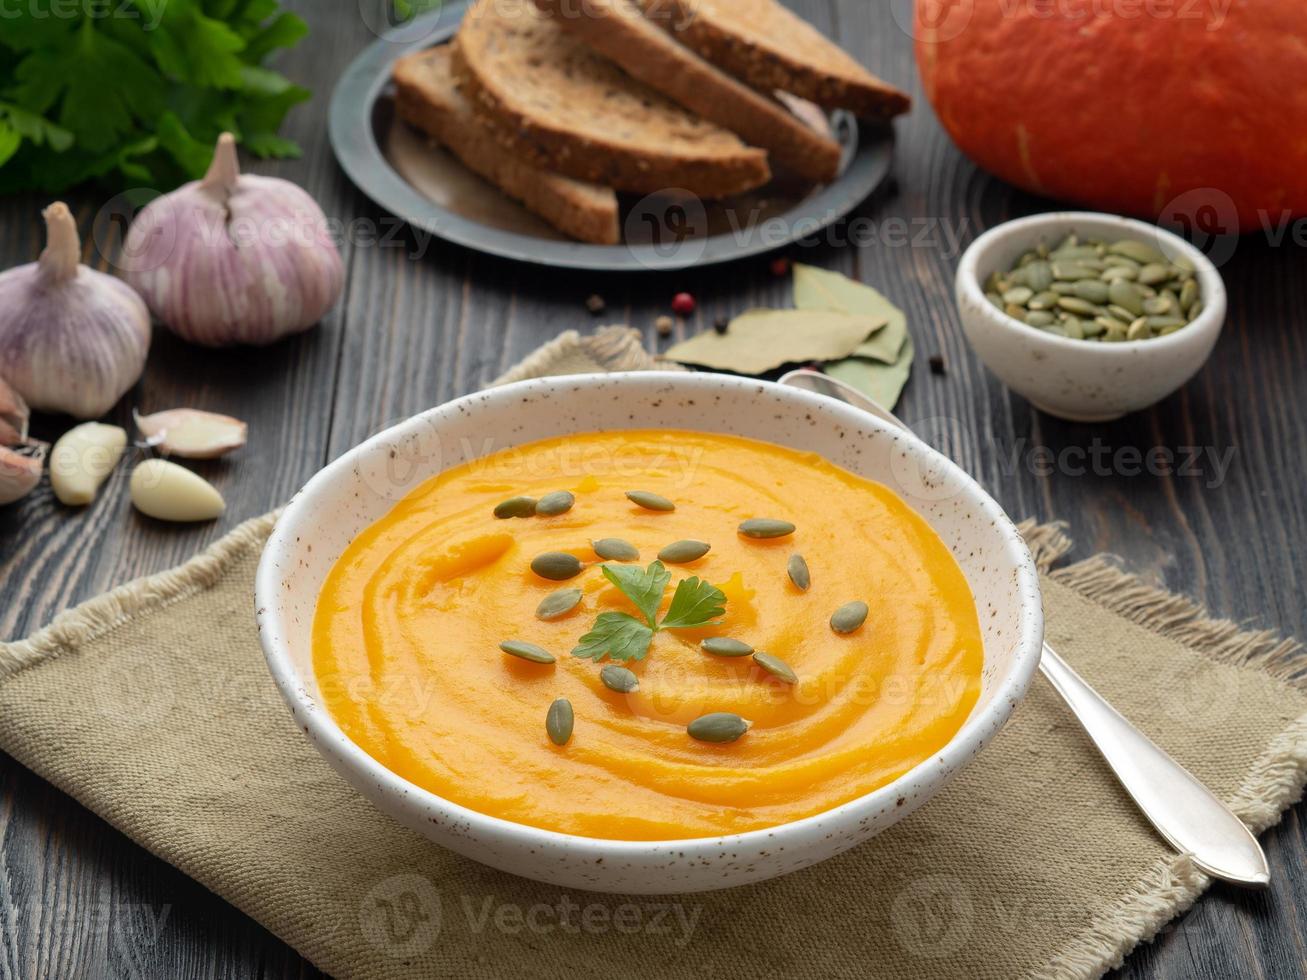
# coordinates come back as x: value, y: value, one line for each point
x: 683, y: 304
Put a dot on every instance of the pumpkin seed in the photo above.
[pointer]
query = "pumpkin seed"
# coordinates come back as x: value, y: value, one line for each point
x: 1074, y: 328
x: 1070, y: 241
x: 558, y: 604
x: 1108, y: 323
x: 1141, y: 252
x: 1039, y: 275
x: 1063, y: 288
x: 615, y: 549
x: 553, y: 504
x: 516, y: 507
x: 1188, y: 294
x: 849, y: 617
x: 559, y: 721
x: 995, y: 299
x: 1043, y: 301
x: 1120, y: 313
x: 1018, y: 295
x: 1014, y: 311
x: 1074, y: 304
x: 1158, y: 322
x: 776, y: 667
x: 1072, y: 271
x: 1158, y: 305
x: 557, y: 566
x: 1138, y: 330
x: 1089, y: 329
x: 724, y: 646
x: 619, y: 679
x: 1055, y: 330
x: 1119, y: 272
x: 1154, y: 273
x: 680, y: 552
x: 797, y: 569
x: 1126, y: 295
x: 1074, y: 252
x: 1094, y: 290
x: 1040, y: 318
x: 650, y: 501
x: 527, y: 651
x: 1195, y: 311
x: 720, y: 726
x: 765, y: 527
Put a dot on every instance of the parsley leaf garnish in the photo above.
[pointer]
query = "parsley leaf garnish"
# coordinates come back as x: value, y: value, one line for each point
x: 621, y: 636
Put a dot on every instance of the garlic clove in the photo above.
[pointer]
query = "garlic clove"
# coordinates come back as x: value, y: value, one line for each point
x: 20, y: 472
x: 13, y: 416
x: 170, y: 492
x: 82, y: 459
x: 191, y: 433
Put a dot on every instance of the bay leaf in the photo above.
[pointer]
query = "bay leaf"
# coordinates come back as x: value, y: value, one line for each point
x: 762, y: 340
x: 882, y: 383
x: 821, y: 289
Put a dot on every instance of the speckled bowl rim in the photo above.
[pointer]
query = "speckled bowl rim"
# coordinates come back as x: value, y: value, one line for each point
x: 969, y: 280
x: 976, y: 732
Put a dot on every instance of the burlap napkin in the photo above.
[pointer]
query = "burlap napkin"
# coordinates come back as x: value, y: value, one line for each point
x: 153, y: 707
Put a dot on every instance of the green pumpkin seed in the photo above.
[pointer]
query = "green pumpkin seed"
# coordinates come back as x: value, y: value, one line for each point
x: 1018, y: 295
x: 553, y: 504
x: 1074, y: 304
x: 619, y: 679
x: 776, y: 667
x: 1126, y: 295
x: 650, y: 501
x: 720, y: 726
x: 1055, y: 330
x: 1026, y: 259
x: 1154, y: 274
x: 1107, y: 324
x: 558, y: 604
x: 1158, y: 305
x: 1195, y: 311
x: 1114, y: 273
x: 1070, y: 241
x: 1094, y: 290
x: 557, y: 566
x: 680, y: 552
x: 1120, y: 313
x: 1014, y: 311
x: 1138, y: 330
x: 615, y: 549
x: 765, y: 527
x: 1158, y: 322
x: 1073, y: 271
x: 1074, y: 252
x: 1188, y: 294
x: 559, y: 721
x: 797, y: 569
x: 996, y: 300
x: 724, y: 646
x: 1039, y: 318
x: 1043, y: 301
x: 1074, y: 328
x: 527, y: 651
x: 1039, y: 275
x: 849, y: 617
x: 516, y: 507
x: 1141, y: 252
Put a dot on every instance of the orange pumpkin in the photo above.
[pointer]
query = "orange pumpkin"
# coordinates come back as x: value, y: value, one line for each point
x: 1188, y: 110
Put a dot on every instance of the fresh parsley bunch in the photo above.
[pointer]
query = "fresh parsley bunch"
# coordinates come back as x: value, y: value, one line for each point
x: 621, y: 636
x: 135, y: 92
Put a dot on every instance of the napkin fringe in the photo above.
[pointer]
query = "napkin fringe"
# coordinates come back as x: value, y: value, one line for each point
x: 1184, y: 620
x: 98, y: 616
x: 615, y: 348
x: 1047, y: 542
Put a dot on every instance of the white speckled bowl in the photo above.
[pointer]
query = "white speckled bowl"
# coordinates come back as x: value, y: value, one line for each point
x: 1072, y: 379
x: 361, y: 486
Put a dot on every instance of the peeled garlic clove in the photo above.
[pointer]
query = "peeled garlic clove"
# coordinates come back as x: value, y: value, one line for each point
x: 82, y: 459
x: 192, y: 434
x: 173, y: 493
x: 13, y: 416
x: 19, y: 473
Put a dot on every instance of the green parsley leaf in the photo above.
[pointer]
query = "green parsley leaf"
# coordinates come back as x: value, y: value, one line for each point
x: 643, y: 586
x: 616, y: 634
x: 695, y: 603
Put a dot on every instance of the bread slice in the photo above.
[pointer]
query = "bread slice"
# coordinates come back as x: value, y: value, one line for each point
x: 428, y: 97
x: 556, y: 103
x: 771, y: 48
x: 618, y: 30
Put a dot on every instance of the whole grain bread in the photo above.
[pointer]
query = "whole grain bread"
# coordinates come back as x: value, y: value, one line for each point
x: 559, y: 104
x: 428, y: 97
x: 771, y: 48
x: 619, y: 30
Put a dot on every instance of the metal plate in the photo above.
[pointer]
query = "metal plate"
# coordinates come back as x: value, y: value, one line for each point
x: 662, y: 231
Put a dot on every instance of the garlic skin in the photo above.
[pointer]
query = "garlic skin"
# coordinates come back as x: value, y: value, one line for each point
x: 191, y: 433
x: 13, y: 416
x: 234, y: 258
x: 71, y: 339
x: 82, y: 459
x: 19, y: 473
x: 169, y: 492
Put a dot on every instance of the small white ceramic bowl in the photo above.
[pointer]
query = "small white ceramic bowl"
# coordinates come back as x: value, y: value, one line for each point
x: 1072, y: 379
x: 361, y: 486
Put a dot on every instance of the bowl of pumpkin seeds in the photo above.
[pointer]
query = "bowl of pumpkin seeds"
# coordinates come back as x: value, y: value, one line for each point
x: 1089, y: 316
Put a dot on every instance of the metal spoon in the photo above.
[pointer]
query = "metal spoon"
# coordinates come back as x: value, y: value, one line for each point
x: 1184, y: 811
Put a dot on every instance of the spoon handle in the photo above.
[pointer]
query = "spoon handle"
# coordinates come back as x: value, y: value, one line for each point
x: 1183, y: 810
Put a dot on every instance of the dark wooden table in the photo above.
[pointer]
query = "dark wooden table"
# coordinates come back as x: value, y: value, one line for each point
x: 422, y: 322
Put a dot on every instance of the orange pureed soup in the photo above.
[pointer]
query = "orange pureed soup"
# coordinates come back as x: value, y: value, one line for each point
x: 409, y: 622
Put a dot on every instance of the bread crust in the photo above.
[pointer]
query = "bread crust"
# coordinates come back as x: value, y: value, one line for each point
x: 772, y: 49
x: 618, y: 30
x: 557, y: 104
x: 427, y: 97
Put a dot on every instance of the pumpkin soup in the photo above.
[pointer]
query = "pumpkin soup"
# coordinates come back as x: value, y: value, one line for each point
x: 648, y: 635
